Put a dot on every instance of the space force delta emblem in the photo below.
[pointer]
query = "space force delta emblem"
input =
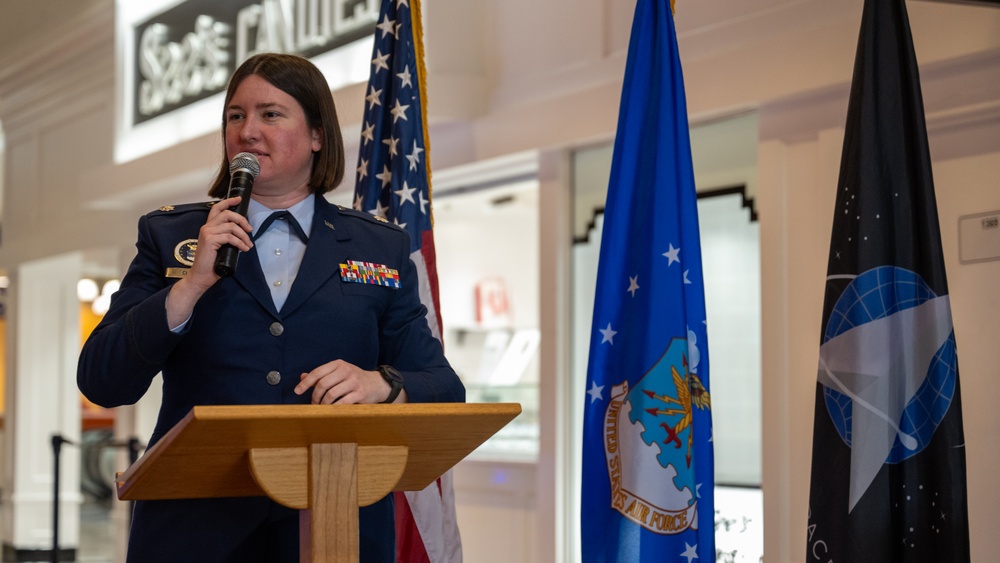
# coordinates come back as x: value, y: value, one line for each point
x: 648, y: 435
x: 370, y: 273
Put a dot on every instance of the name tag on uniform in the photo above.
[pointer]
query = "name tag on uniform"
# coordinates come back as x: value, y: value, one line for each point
x: 370, y: 273
x: 177, y: 272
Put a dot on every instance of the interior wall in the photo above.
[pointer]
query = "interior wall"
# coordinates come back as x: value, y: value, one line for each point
x: 796, y: 199
x: 965, y: 186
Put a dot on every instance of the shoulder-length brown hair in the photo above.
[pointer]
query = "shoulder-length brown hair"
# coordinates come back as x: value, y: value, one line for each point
x: 300, y: 79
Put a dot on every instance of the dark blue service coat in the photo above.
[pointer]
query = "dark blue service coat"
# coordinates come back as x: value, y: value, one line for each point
x: 234, y: 340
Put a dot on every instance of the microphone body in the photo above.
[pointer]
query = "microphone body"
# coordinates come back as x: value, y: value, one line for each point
x: 242, y: 171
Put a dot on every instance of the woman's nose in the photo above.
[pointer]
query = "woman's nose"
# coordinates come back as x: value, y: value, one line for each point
x: 249, y: 129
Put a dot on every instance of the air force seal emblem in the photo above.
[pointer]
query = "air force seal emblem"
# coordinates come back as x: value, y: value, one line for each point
x: 185, y: 250
x: 648, y: 434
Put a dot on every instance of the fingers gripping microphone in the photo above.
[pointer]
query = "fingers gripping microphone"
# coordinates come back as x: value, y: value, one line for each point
x: 242, y: 171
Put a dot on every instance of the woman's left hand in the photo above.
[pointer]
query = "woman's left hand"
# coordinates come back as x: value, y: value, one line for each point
x: 343, y: 383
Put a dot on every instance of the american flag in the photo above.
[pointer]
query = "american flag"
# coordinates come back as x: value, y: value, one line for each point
x: 393, y: 182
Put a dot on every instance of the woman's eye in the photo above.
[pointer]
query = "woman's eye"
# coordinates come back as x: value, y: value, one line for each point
x: 233, y: 117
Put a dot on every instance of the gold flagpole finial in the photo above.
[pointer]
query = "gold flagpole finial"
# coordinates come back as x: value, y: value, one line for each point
x: 672, y: 10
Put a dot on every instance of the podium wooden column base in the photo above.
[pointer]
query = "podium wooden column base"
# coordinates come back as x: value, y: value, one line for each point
x: 323, y: 482
x: 328, y: 530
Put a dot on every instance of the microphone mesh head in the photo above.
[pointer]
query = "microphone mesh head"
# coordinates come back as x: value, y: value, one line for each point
x: 245, y: 161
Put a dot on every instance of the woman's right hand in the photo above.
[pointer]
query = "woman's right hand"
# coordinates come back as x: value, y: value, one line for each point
x: 223, y: 226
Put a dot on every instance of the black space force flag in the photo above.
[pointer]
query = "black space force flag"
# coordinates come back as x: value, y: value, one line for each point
x: 888, y: 468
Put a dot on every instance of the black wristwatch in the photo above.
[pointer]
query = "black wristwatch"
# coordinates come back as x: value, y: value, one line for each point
x: 395, y: 381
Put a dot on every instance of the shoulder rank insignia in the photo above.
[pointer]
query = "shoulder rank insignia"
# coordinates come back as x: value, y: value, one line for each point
x: 380, y: 218
x: 182, y: 208
x: 185, y: 250
x: 368, y: 272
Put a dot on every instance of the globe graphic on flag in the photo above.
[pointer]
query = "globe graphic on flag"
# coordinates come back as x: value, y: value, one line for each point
x: 875, y: 294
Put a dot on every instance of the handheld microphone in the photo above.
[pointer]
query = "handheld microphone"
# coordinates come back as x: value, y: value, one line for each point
x: 243, y: 169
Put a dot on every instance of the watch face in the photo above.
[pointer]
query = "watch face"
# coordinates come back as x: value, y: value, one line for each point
x: 391, y: 374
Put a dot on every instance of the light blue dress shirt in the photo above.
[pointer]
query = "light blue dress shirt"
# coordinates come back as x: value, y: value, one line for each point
x: 280, y: 252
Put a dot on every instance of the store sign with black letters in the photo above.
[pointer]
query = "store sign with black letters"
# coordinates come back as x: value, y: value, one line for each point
x: 187, y: 52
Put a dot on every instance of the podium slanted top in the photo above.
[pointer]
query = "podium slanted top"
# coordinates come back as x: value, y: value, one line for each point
x: 205, y: 455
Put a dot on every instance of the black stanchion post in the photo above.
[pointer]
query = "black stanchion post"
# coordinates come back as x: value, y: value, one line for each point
x: 57, y: 442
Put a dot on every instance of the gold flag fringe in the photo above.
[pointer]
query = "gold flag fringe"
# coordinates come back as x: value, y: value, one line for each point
x: 418, y: 47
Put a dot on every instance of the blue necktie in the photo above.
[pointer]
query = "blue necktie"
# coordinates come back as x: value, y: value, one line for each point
x: 286, y: 215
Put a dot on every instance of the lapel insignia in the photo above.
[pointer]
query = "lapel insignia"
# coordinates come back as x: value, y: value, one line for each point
x: 368, y: 272
x: 329, y: 224
x: 185, y: 250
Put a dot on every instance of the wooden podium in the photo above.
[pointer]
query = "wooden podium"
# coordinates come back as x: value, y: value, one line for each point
x: 326, y: 460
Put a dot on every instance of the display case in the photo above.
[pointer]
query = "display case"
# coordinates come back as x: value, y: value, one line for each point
x: 500, y: 365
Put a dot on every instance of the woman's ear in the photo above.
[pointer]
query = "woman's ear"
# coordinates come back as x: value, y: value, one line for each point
x: 317, y: 139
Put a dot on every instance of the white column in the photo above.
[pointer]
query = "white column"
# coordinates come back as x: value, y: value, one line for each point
x: 557, y: 471
x: 43, y: 343
x: 796, y: 197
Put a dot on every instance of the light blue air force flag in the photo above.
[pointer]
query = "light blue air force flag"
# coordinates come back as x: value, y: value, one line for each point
x: 647, y: 452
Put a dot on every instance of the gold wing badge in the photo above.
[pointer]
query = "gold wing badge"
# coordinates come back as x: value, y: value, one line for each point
x: 690, y: 391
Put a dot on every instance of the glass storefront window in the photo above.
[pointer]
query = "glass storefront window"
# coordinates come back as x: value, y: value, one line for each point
x: 487, y: 258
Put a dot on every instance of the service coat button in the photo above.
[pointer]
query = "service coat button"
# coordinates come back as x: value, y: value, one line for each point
x: 273, y: 377
x: 277, y: 329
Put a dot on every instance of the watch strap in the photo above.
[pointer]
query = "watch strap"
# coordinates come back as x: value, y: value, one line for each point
x: 395, y: 380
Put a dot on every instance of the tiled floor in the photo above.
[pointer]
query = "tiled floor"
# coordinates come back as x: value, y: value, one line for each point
x: 96, y: 534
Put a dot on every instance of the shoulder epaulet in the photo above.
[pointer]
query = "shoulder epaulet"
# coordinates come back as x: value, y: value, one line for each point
x: 349, y: 212
x: 183, y: 208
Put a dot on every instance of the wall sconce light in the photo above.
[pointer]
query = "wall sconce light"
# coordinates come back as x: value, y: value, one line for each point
x: 101, y: 304
x: 100, y: 299
x: 110, y: 287
x: 86, y: 290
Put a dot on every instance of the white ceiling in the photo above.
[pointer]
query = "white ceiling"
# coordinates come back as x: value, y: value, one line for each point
x: 25, y: 21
